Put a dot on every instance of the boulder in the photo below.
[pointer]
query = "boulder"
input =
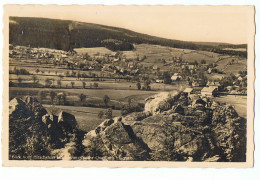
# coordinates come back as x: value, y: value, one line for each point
x: 161, y: 102
x: 117, y: 134
x: 18, y: 109
x: 113, y: 142
x: 192, y: 147
x: 67, y: 120
x: 49, y: 119
x: 34, y: 106
x: 151, y: 134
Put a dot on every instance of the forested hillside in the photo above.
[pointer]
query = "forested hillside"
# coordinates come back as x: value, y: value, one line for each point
x: 66, y: 35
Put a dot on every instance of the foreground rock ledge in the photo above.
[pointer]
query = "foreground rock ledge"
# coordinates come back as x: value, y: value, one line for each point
x: 173, y: 127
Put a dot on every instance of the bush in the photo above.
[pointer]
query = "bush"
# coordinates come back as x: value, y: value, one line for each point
x: 109, y: 114
x: 95, y: 85
x: 53, y: 94
x: 100, y: 114
x: 82, y: 97
x: 20, y: 72
x: 106, y: 100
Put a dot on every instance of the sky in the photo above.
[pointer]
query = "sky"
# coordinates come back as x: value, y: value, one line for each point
x: 227, y: 24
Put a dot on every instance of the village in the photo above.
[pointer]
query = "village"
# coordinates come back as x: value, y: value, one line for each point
x: 117, y: 66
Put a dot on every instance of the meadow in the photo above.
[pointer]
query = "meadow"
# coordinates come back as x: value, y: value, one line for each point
x: 87, y: 117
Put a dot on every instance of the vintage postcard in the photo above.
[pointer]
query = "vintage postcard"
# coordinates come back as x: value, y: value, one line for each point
x: 128, y: 86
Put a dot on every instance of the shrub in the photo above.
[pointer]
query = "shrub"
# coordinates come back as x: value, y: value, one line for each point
x: 95, y: 85
x: 72, y: 84
x: 100, y: 114
x: 83, y: 84
x: 109, y: 114
x: 106, y: 100
x: 53, y: 94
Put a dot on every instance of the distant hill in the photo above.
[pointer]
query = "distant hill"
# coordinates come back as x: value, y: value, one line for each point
x: 66, y: 35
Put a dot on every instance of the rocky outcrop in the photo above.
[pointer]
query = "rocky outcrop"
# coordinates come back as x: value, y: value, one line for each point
x: 160, y: 102
x: 171, y: 128
x: 25, y: 107
x: 229, y: 132
x: 67, y: 120
x: 113, y: 140
x: 34, y: 106
x: 34, y: 133
x: 50, y: 120
x: 18, y: 109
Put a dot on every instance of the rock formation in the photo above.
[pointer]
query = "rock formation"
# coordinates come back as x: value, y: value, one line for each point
x: 33, y: 133
x: 173, y: 127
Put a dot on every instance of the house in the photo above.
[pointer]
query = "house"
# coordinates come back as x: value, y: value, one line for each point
x: 213, y: 84
x: 229, y: 88
x: 64, y: 56
x: 209, y: 71
x: 107, y: 67
x: 130, y: 64
x: 209, y: 91
x: 116, y: 59
x: 212, y: 70
x: 188, y: 66
x: 159, y: 81
x: 188, y: 91
x: 198, y: 83
x: 134, y: 72
x: 195, y: 84
x: 155, y: 67
x: 175, y: 78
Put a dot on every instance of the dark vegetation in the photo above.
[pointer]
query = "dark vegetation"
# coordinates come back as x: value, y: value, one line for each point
x: 66, y: 35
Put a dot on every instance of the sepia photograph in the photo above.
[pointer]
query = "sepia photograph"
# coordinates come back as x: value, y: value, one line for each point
x: 126, y: 86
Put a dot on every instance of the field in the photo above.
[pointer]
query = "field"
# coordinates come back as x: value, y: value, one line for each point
x: 155, y: 52
x: 87, y: 117
x: 93, y: 51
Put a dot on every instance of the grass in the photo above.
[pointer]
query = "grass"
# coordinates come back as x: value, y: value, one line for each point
x: 155, y: 52
x: 113, y: 94
x: 87, y: 117
x: 92, y: 51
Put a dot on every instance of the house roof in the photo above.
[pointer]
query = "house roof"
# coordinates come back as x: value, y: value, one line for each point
x: 212, y: 83
x: 188, y: 90
x: 174, y: 77
x: 208, y: 89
